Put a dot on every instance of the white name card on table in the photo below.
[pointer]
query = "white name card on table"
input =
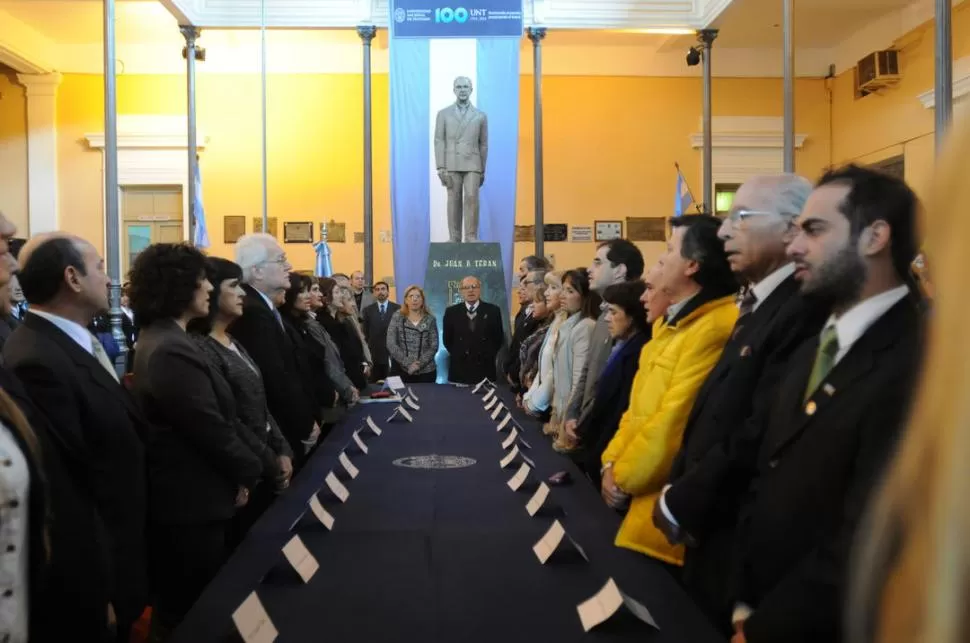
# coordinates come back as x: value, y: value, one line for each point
x: 547, y: 545
x: 505, y: 422
x: 489, y: 395
x: 497, y: 411
x: 510, y: 440
x: 373, y: 426
x: 400, y: 410
x: 394, y: 383
x: 360, y: 443
x: 411, y: 393
x: 507, y: 460
x: 253, y: 623
x: 605, y: 603
x: 411, y: 403
x: 538, y: 499
x: 490, y: 403
x: 322, y: 514
x: 348, y: 466
x: 479, y: 386
x: 337, y: 487
x: 516, y: 481
x: 300, y: 558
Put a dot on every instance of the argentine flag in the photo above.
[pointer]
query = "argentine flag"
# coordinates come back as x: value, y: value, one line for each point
x: 683, y: 199
x: 201, y: 239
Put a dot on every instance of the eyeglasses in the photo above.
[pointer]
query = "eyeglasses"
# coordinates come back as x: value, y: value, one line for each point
x: 471, y: 287
x: 743, y: 214
x: 281, y: 260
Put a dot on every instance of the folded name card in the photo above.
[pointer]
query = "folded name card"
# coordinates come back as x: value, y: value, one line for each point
x: 300, y: 558
x: 498, y: 409
x: 538, y: 499
x: 401, y: 411
x: 547, y: 545
x: 411, y: 403
x: 489, y: 395
x: 492, y: 402
x: 479, y: 386
x: 507, y: 460
x: 337, y: 487
x: 413, y: 396
x: 510, y: 440
x: 360, y: 443
x: 348, y: 466
x: 516, y: 481
x: 505, y: 421
x: 605, y: 603
x: 322, y: 514
x: 253, y: 623
x: 373, y: 426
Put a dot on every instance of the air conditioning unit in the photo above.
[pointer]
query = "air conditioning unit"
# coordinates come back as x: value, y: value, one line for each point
x: 878, y: 70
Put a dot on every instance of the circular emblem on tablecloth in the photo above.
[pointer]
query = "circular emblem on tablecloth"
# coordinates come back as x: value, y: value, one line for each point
x: 435, y: 461
x: 399, y: 15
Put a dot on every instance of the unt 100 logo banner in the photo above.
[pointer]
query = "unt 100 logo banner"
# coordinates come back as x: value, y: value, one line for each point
x: 474, y: 19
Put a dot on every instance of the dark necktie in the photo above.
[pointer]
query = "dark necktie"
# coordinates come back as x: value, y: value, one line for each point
x: 748, y: 301
x: 383, y: 309
x: 471, y: 316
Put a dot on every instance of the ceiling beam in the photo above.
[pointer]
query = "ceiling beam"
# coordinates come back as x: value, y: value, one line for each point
x: 23, y: 49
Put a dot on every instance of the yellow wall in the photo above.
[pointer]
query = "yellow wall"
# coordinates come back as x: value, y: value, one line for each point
x: 13, y: 149
x: 894, y: 121
x: 610, y: 146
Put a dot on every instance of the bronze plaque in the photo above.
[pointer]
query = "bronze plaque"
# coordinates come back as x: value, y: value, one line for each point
x: 358, y: 237
x: 271, y: 226
x: 233, y: 227
x: 298, y: 232
x: 646, y: 228
x: 336, y: 232
x: 525, y: 233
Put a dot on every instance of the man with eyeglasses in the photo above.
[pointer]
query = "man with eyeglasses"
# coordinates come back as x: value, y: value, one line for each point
x: 699, y: 506
x: 525, y: 324
x: 473, y: 335
x: 261, y: 332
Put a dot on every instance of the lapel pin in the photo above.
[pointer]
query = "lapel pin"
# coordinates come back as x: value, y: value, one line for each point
x: 810, y: 408
x: 829, y: 389
x: 745, y: 351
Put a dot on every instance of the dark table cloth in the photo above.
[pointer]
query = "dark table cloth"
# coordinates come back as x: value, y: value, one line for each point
x: 440, y: 555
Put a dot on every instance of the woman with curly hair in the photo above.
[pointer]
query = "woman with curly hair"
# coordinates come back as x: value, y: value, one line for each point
x: 529, y: 349
x: 199, y: 470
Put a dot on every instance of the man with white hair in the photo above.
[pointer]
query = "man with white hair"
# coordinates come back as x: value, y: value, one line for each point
x: 699, y: 507
x: 260, y: 330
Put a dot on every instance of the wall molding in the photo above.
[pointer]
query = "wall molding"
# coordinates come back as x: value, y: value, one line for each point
x: 766, y: 132
x: 149, y: 132
x: 961, y: 84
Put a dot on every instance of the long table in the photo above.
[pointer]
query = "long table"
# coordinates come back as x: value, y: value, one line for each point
x: 438, y: 555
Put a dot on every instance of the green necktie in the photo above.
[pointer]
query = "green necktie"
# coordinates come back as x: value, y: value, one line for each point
x: 828, y: 348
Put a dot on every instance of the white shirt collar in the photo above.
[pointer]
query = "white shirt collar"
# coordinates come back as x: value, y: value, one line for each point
x: 674, y: 309
x: 81, y: 335
x: 854, y: 323
x: 269, y: 302
x: 471, y: 307
x: 763, y: 289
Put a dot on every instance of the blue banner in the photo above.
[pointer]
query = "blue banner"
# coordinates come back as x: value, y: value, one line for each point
x: 470, y: 19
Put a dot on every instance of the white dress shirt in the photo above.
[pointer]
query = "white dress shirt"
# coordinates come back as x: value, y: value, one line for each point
x: 81, y: 335
x: 14, y: 502
x: 854, y: 323
x: 763, y: 289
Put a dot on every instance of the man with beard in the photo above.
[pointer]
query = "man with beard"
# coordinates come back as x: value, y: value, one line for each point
x: 837, y: 413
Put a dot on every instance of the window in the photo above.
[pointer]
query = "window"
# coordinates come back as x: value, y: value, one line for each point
x: 724, y: 197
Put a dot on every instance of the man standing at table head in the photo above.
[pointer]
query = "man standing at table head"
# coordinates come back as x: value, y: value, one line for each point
x: 94, y: 420
x: 837, y: 412
x: 260, y: 330
x: 377, y: 318
x: 473, y: 335
x: 700, y: 508
x: 615, y: 261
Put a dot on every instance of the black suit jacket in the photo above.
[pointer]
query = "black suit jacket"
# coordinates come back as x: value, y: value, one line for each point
x: 70, y: 575
x: 98, y: 427
x: 275, y: 353
x: 818, y: 463
x: 375, y: 330
x: 196, y: 459
x: 473, y: 353
x: 524, y: 326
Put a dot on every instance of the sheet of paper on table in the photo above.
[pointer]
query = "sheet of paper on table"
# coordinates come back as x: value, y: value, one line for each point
x: 322, y: 514
x: 253, y: 623
x: 373, y: 426
x: 360, y: 443
x: 538, y: 499
x: 516, y: 481
x: 510, y: 440
x: 300, y: 558
x: 348, y: 465
x: 337, y: 487
x: 411, y: 403
x: 507, y: 460
x: 395, y: 383
x: 547, y: 545
x: 505, y: 421
x: 498, y: 409
x: 604, y: 604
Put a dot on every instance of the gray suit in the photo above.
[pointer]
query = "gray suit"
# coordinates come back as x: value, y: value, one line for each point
x: 600, y: 345
x: 461, y: 151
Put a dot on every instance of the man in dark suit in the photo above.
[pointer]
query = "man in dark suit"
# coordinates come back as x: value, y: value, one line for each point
x: 377, y: 317
x: 837, y: 413
x: 362, y: 297
x: 699, y: 506
x: 473, y: 335
x: 524, y: 325
x: 261, y: 332
x: 94, y: 420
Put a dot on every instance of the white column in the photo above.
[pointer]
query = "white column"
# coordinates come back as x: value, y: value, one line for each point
x: 41, y: 150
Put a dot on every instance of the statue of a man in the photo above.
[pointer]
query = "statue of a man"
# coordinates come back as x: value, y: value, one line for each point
x: 460, y: 152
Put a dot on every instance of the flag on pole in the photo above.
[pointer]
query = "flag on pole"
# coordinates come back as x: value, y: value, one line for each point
x: 683, y: 199
x: 201, y: 239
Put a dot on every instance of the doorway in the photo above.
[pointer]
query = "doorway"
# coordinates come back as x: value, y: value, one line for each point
x: 149, y: 214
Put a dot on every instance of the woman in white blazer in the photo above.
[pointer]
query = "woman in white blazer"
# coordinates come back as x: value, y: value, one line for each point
x: 537, y: 401
x: 582, y: 306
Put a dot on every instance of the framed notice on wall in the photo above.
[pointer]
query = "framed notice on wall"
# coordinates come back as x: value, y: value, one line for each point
x: 608, y: 230
x: 646, y: 228
x: 271, y: 226
x: 233, y: 227
x: 298, y: 232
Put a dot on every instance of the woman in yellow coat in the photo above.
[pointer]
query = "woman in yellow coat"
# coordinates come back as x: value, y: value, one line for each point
x: 673, y: 365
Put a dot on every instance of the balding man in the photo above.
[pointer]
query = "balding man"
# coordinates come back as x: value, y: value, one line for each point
x: 473, y: 334
x: 95, y: 422
x: 699, y: 508
x: 362, y: 297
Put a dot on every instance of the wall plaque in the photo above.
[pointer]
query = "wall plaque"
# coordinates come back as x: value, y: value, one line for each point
x: 554, y: 232
x: 233, y: 227
x: 646, y: 228
x: 582, y: 233
x: 336, y: 232
x: 271, y: 226
x: 298, y: 232
x: 609, y: 230
x: 525, y: 233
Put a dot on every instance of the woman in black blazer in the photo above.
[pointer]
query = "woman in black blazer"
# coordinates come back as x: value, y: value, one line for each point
x: 200, y: 471
x: 338, y: 320
x: 630, y: 331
